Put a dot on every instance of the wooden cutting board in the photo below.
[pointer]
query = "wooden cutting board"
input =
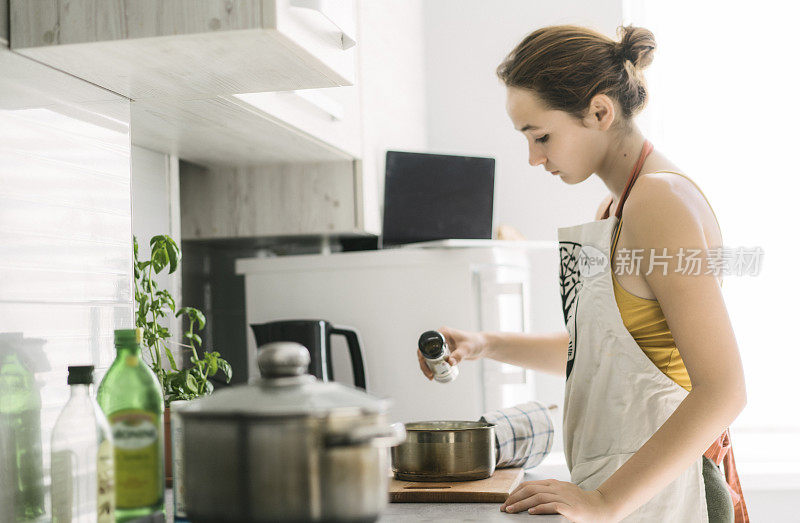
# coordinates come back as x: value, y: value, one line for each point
x: 494, y: 489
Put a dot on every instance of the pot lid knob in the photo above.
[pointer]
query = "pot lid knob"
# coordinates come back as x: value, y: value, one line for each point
x: 283, y: 358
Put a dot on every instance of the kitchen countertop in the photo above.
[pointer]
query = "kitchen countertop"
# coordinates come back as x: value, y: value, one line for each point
x: 552, y: 468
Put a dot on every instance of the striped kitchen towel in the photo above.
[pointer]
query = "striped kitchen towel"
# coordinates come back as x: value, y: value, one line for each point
x: 523, y: 434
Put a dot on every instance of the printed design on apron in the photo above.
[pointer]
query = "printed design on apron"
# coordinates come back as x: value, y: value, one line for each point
x: 570, y: 285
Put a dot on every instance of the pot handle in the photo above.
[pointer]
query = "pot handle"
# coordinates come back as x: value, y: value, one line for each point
x: 374, y: 435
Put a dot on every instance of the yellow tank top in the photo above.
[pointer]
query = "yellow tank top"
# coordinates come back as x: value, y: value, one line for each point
x: 646, y: 323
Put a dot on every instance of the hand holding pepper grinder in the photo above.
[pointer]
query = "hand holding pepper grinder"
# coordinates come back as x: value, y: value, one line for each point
x: 433, y: 346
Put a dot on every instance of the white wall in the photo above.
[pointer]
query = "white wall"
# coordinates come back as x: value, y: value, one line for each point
x: 465, y: 41
x: 155, y: 202
x: 392, y: 82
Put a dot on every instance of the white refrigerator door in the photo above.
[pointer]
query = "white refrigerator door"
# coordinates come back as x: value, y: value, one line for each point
x: 391, y: 297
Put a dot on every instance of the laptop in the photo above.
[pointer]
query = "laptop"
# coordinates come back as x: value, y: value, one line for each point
x: 435, y: 197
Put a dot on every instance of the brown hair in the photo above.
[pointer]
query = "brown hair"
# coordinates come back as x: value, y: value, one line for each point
x: 567, y: 65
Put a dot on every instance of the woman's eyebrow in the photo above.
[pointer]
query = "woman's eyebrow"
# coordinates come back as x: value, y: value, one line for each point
x: 529, y: 127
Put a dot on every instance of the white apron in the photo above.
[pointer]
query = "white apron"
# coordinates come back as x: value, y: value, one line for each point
x: 615, y: 397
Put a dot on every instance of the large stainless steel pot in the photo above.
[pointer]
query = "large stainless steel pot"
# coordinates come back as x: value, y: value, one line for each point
x: 288, y: 448
x: 445, y: 451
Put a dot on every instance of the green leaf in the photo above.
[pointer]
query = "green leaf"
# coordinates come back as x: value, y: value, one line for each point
x: 195, y: 338
x: 160, y: 259
x: 213, y: 366
x: 226, y: 369
x: 174, y: 254
x: 209, y: 388
x: 191, y: 383
x: 201, y: 320
x: 171, y: 359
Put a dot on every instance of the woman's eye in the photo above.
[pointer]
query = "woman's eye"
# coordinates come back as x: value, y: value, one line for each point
x: 543, y: 139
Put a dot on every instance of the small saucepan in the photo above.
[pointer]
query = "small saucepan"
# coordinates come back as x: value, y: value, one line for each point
x: 445, y: 451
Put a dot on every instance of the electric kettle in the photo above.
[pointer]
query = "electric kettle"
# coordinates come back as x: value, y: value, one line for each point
x: 315, y: 335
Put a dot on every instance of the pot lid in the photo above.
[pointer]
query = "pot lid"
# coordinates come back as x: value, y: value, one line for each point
x: 285, y: 389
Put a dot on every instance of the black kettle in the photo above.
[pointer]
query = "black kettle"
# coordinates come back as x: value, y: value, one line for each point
x: 315, y: 335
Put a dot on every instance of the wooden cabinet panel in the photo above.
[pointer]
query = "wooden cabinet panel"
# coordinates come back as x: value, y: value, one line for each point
x: 3, y: 23
x: 275, y: 200
x: 147, y: 49
x: 223, y: 131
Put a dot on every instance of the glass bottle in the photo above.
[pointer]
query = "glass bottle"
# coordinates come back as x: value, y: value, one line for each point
x: 21, y: 485
x: 433, y: 346
x: 131, y: 399
x: 82, y: 456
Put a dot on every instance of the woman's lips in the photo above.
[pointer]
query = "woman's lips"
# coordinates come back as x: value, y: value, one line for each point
x: 554, y: 173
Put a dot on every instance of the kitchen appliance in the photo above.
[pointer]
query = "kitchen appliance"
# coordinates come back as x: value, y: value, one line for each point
x: 445, y: 451
x: 495, y: 489
x: 436, y: 197
x: 288, y: 448
x: 315, y: 335
x: 393, y: 295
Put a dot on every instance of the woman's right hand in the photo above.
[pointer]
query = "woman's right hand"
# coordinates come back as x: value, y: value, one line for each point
x: 464, y: 345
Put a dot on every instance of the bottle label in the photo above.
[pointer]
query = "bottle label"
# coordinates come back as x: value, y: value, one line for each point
x: 137, y: 458
x: 105, y: 482
x: 441, y: 369
x: 61, y: 474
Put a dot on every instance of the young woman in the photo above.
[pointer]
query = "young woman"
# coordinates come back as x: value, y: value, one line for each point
x: 653, y: 373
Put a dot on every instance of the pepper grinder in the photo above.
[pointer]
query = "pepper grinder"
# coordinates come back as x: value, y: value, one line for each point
x: 433, y: 346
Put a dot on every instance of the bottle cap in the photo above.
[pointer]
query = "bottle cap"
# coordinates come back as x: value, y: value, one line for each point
x: 128, y: 336
x: 431, y: 344
x: 80, y: 374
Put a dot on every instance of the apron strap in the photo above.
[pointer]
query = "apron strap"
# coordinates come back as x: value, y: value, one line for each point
x: 647, y: 148
x: 721, y: 452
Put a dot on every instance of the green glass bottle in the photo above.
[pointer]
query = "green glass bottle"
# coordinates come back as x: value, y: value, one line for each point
x: 21, y: 485
x: 131, y: 399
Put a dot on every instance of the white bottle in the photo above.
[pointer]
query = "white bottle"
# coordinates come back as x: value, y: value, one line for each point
x: 82, y: 457
x: 433, y: 347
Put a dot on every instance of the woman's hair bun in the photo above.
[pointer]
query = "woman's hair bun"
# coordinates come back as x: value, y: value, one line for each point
x: 636, y: 44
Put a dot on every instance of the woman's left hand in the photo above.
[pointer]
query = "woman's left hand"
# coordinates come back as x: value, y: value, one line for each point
x: 550, y: 496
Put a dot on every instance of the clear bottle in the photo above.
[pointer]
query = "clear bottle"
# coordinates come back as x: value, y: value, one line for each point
x: 131, y: 399
x: 82, y: 456
x: 433, y: 346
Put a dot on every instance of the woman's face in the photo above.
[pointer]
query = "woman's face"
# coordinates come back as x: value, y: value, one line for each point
x: 556, y: 140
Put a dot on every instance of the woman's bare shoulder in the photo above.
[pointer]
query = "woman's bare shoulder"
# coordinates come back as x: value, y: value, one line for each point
x: 676, y: 189
x: 670, y: 199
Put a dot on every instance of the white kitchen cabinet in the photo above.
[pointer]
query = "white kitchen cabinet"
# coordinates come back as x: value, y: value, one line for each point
x: 187, y: 49
x: 225, y: 131
x: 332, y: 115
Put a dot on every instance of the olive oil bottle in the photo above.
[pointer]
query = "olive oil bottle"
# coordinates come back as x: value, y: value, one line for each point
x: 131, y: 399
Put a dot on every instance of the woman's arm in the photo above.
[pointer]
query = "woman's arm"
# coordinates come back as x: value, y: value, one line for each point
x: 543, y: 352
x: 658, y: 214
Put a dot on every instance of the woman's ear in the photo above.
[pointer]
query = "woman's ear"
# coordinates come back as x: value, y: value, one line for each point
x: 601, y: 113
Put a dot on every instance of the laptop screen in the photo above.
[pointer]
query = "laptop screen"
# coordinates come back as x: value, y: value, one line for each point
x: 437, y: 197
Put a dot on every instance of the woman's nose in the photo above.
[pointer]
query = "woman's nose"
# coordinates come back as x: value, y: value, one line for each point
x: 533, y: 159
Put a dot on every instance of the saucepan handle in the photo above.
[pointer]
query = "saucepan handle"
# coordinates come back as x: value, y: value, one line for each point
x: 374, y: 435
